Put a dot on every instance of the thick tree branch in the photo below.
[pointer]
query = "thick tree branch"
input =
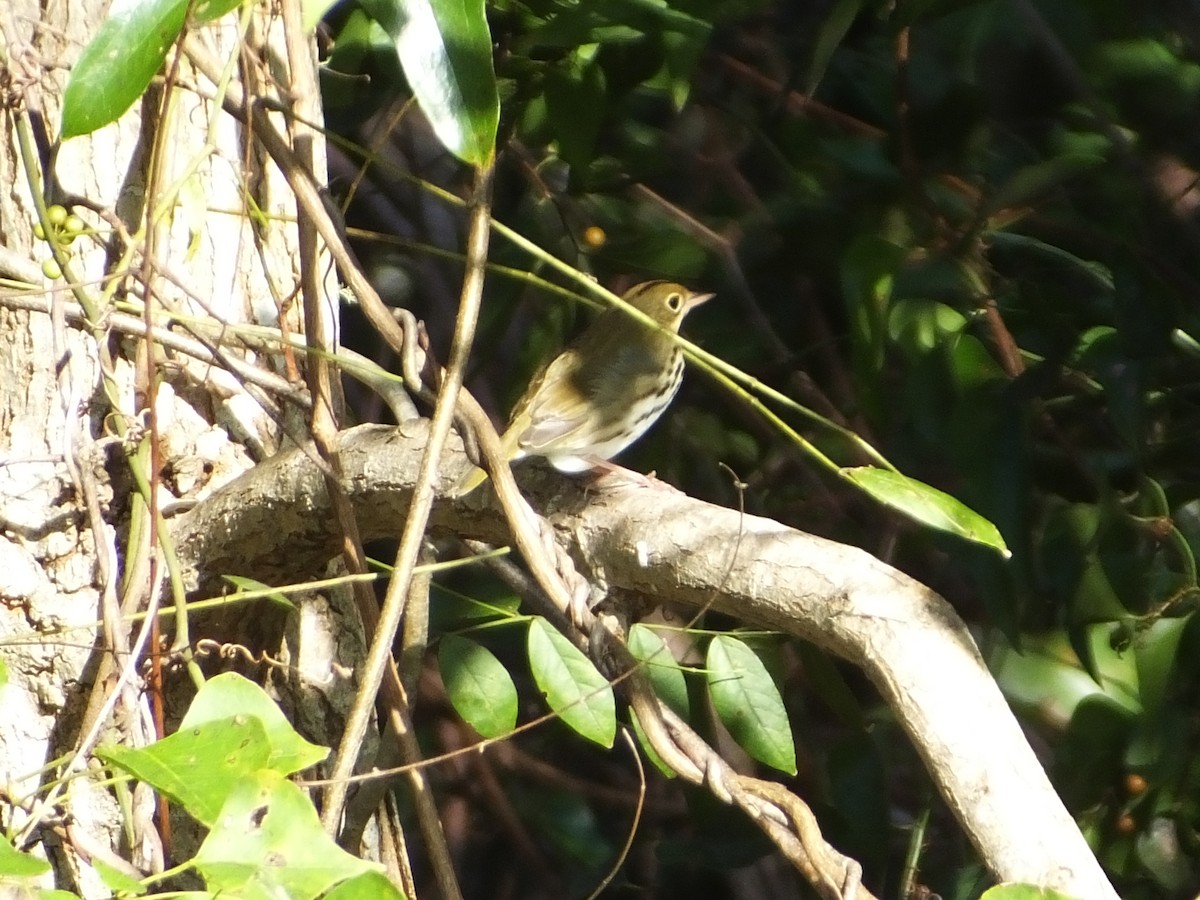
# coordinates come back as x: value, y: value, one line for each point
x: 273, y: 523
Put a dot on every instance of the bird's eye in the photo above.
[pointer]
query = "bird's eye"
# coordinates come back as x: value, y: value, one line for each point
x: 674, y: 302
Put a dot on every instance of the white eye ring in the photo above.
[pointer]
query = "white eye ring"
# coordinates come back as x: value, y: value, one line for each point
x: 674, y: 302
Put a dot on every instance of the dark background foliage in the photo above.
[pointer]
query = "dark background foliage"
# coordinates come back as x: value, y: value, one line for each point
x: 966, y: 230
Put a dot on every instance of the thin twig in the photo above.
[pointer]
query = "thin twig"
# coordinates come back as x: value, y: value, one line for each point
x: 123, y: 323
x: 413, y: 534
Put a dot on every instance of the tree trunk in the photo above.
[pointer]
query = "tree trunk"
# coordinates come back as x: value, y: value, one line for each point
x: 76, y: 546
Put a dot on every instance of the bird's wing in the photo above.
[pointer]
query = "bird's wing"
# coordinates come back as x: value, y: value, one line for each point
x: 553, y: 414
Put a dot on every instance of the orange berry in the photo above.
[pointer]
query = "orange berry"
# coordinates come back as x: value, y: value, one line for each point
x: 594, y: 237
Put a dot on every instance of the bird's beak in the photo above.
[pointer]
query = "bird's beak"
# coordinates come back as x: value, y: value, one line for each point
x: 695, y: 300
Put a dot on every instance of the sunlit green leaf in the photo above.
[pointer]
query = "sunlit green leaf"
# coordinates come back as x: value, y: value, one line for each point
x: 571, y: 685
x: 366, y: 886
x: 15, y: 864
x: 271, y: 844
x: 229, y: 694
x: 749, y: 703
x: 1023, y: 892
x: 197, y: 766
x: 926, y: 505
x: 478, y: 686
x: 210, y: 10
x: 128, y: 49
x: 116, y: 67
x: 445, y: 48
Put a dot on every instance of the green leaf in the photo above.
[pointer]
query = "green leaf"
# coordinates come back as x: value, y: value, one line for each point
x: 15, y: 864
x: 660, y: 667
x: 210, y: 10
x: 1028, y: 183
x: 830, y: 36
x: 270, y: 843
x: 115, y: 68
x: 573, y: 688
x: 445, y: 49
x: 651, y: 754
x: 229, y: 694
x: 1022, y: 892
x: 1157, y: 649
x: 868, y: 275
x: 116, y: 880
x: 232, y: 730
x: 129, y: 47
x: 1114, y: 670
x: 253, y: 586
x: 1047, y: 676
x: 749, y: 703
x: 198, y: 765
x: 920, y: 325
x: 1096, y: 271
x: 367, y: 886
x: 667, y: 679
x: 313, y: 11
x: 684, y: 39
x: 574, y: 25
x: 576, y: 102
x: 478, y: 686
x: 926, y: 505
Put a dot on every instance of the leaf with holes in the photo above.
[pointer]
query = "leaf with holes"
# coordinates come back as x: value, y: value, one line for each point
x: 229, y: 695
x: 270, y: 843
x: 197, y: 765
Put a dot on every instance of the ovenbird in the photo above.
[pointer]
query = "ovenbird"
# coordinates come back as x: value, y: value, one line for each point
x: 604, y: 390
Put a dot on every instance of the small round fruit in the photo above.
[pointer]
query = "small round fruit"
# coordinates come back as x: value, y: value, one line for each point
x: 594, y: 237
x: 51, y: 269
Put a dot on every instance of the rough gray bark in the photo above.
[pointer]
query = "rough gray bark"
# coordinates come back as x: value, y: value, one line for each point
x: 66, y: 561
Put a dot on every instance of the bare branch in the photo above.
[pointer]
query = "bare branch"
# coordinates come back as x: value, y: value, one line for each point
x: 666, y: 545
